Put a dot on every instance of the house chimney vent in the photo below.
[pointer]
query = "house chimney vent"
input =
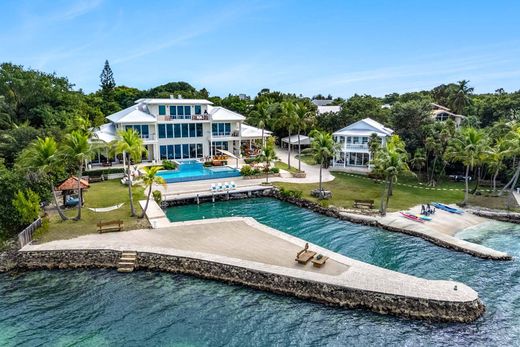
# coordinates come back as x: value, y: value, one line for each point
x: 179, y: 96
x: 171, y: 96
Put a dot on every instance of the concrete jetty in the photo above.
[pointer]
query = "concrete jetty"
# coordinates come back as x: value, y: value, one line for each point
x: 241, y: 250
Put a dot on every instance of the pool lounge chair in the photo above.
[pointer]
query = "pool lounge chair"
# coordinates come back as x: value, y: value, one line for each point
x: 233, y: 185
x: 304, y: 255
x: 226, y: 185
x: 219, y: 187
x: 213, y: 187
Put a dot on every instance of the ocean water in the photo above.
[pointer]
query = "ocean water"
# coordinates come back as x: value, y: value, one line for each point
x: 104, y: 308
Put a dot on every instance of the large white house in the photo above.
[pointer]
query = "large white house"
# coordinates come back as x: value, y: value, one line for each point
x: 354, y: 154
x: 181, y: 128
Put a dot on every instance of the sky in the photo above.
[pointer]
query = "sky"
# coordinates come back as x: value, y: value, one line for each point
x: 305, y: 47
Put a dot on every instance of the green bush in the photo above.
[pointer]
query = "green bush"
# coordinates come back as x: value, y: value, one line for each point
x: 208, y: 163
x: 290, y: 193
x: 250, y: 160
x: 169, y: 165
x: 157, y: 196
x: 274, y: 170
x: 27, y: 204
x: 247, y: 170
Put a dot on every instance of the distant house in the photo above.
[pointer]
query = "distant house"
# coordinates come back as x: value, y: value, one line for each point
x: 325, y: 106
x: 354, y: 154
x: 441, y: 113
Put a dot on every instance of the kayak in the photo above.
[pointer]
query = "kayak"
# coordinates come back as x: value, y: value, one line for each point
x: 412, y: 217
x: 447, y: 208
x: 422, y: 217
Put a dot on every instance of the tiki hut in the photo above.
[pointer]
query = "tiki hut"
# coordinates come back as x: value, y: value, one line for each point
x: 70, y: 187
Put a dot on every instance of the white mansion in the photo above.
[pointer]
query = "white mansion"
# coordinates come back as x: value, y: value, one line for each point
x: 181, y: 128
x: 354, y: 154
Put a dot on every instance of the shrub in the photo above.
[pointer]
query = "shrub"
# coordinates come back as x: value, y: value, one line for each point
x: 274, y: 170
x: 157, y: 196
x: 256, y: 172
x: 27, y: 204
x: 208, y: 163
x: 247, y: 170
x: 250, y: 160
x: 290, y: 193
x: 169, y: 165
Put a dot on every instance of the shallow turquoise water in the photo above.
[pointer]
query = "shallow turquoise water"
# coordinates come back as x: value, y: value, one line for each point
x: 192, y: 170
x: 95, y: 308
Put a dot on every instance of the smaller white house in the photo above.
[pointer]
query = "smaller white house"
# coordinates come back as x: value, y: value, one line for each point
x: 325, y: 106
x: 441, y: 113
x: 354, y: 154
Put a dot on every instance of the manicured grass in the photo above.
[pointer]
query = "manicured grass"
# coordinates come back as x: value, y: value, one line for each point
x: 345, y: 189
x: 102, y: 194
x: 283, y: 166
x: 307, y: 159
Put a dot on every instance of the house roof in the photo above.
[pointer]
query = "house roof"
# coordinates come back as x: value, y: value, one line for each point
x: 105, y: 133
x: 132, y: 114
x: 171, y: 101
x: 328, y: 108
x: 363, y: 127
x: 71, y: 183
x: 434, y: 105
x: 293, y: 140
x: 250, y: 132
x: 220, y: 113
x: 319, y: 102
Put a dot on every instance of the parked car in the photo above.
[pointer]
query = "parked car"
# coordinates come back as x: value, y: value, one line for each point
x: 459, y: 178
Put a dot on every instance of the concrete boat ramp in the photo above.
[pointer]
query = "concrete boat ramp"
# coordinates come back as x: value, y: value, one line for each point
x: 242, y: 251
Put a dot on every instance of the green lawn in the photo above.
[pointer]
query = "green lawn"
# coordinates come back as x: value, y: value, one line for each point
x: 307, y: 159
x: 283, y: 166
x: 345, y: 189
x: 101, y: 194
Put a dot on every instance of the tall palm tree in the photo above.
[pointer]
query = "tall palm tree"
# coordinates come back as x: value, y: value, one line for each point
x: 494, y: 158
x: 513, y: 141
x: 419, y: 159
x: 149, y: 179
x: 462, y: 96
x: 43, y: 156
x: 79, y: 150
x: 267, y: 155
x: 306, y: 119
x: 468, y: 148
x: 130, y: 145
x: 391, y: 161
x: 260, y: 116
x: 323, y: 148
x: 287, y: 119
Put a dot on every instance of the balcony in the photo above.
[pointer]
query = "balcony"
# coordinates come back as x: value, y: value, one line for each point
x: 149, y: 137
x: 196, y: 117
x: 356, y: 146
x: 234, y: 134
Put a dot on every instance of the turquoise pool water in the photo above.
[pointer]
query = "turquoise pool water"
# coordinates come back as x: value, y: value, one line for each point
x: 98, y: 308
x: 194, y: 171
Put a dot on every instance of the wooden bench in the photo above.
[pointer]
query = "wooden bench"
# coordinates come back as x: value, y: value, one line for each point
x: 319, y: 262
x: 304, y: 255
x: 364, y: 203
x: 114, y: 225
x: 106, y: 164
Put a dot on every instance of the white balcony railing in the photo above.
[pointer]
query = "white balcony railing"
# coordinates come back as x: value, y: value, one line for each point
x: 184, y: 118
x: 149, y: 137
x: 356, y: 146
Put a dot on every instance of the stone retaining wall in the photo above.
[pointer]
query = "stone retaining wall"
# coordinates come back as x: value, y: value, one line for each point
x: 503, y: 216
x: 321, y: 292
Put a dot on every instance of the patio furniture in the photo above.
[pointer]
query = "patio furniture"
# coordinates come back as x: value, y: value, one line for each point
x: 319, y: 260
x: 233, y: 185
x: 303, y: 256
x: 213, y: 187
x: 114, y: 225
x: 364, y: 204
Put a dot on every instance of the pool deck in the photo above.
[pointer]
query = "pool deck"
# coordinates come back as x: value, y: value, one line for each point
x: 243, y: 242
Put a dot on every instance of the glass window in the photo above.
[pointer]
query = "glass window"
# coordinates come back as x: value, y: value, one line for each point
x: 349, y: 140
x: 185, y: 151
x: 180, y: 111
x: 352, y: 159
x: 227, y: 130
x: 185, y: 132
x: 214, y: 129
x: 199, y: 130
x: 177, y: 130
x: 199, y: 150
x: 170, y: 152
x: 162, y: 110
x: 364, y: 140
x: 187, y: 110
x: 197, y: 109
x: 173, y: 111
x: 162, y: 131
x: 193, y: 150
x: 192, y: 130
x: 178, y: 153
x: 163, y: 150
x: 221, y: 128
x: 144, y: 131
x: 128, y: 127
x: 169, y: 131
x: 355, y: 140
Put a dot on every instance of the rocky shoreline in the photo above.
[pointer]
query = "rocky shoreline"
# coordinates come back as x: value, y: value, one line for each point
x: 335, y: 295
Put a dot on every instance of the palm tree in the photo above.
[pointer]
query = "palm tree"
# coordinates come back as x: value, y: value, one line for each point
x: 494, y: 158
x: 287, y: 119
x: 390, y: 162
x: 462, y: 98
x: 513, y: 141
x: 267, y: 155
x: 323, y: 148
x: 77, y: 148
x: 306, y: 119
x: 419, y: 159
x: 131, y: 146
x: 42, y: 155
x: 260, y: 116
x: 468, y: 148
x: 149, y: 179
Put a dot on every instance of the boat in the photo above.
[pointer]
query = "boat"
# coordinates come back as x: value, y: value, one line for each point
x: 412, y: 217
x: 447, y: 208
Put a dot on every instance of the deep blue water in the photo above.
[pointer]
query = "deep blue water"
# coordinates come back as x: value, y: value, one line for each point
x: 96, y: 308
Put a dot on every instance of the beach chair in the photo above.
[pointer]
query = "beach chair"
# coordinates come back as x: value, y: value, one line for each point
x: 213, y: 187
x: 233, y: 185
x: 219, y: 187
x: 319, y: 260
x: 303, y: 256
x: 226, y: 185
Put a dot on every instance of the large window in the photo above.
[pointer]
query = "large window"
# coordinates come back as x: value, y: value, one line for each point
x: 142, y: 130
x: 199, y: 130
x: 162, y: 131
x: 358, y: 159
x: 221, y: 129
x: 177, y: 131
x: 198, y: 109
x: 219, y: 145
x: 187, y: 111
x: 162, y: 110
x: 173, y: 110
x: 185, y: 131
x: 186, y: 151
x: 169, y: 131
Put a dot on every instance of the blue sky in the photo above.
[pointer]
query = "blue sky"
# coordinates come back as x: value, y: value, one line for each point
x: 309, y: 47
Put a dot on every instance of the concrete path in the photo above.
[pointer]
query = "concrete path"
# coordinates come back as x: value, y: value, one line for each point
x: 245, y: 243
x: 312, y: 171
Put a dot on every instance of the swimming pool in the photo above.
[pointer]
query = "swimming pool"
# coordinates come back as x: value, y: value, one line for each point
x: 193, y: 170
